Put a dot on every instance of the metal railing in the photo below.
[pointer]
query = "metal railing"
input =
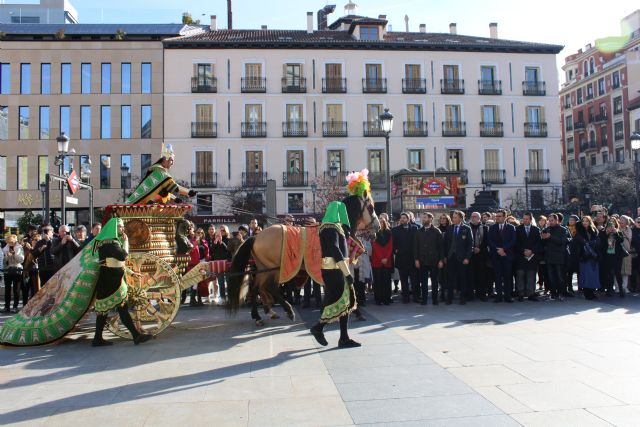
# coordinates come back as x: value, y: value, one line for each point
x: 374, y: 85
x: 340, y: 178
x: 534, y: 88
x: 378, y: 179
x: 491, y: 129
x: 294, y: 129
x: 454, y: 128
x: 295, y: 179
x: 253, y: 129
x: 413, y: 129
x: 204, y: 179
x: 452, y: 86
x: 535, y: 129
x: 204, y: 129
x: 334, y: 129
x: 414, y: 85
x: 202, y: 84
x: 579, y: 125
x: 294, y: 84
x: 254, y: 179
x: 490, y: 87
x: 334, y: 85
x: 253, y: 84
x: 372, y: 129
x: 538, y: 176
x: 494, y: 176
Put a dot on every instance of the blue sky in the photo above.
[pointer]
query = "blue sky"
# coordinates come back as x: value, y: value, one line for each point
x: 550, y: 21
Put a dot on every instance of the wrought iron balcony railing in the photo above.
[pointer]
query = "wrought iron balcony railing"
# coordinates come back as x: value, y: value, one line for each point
x: 202, y: 84
x: 204, y: 179
x: 204, y: 129
x: 490, y: 87
x: 414, y: 86
x: 253, y: 129
x: 414, y: 129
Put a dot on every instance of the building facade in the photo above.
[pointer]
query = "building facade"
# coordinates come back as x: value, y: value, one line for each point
x: 102, y: 85
x: 43, y: 12
x: 243, y: 107
x: 600, y: 86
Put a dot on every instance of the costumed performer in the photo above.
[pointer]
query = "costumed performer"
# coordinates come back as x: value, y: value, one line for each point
x: 339, y: 298
x: 112, y: 246
x: 158, y: 186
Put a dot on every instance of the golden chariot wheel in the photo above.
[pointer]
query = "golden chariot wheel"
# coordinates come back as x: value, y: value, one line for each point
x: 153, y: 295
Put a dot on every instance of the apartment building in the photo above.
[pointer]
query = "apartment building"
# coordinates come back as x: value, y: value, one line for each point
x: 40, y: 12
x: 102, y: 85
x: 597, y: 102
x: 302, y: 106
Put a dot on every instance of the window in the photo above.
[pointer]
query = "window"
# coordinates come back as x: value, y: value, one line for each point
x: 487, y: 73
x: 579, y: 95
x: 416, y: 158
x: 65, y: 120
x: 570, y: 147
x: 295, y: 161
x: 532, y: 74
x: 373, y: 73
x: 615, y: 79
x: 125, y: 121
x: 373, y: 114
x: 335, y: 158
x: 43, y: 169
x: 45, y: 79
x: 45, y: 125
x: 583, y: 162
x: 145, y: 163
x: 618, y: 131
x: 4, y: 122
x: 535, y: 115
x: 3, y: 173
x: 292, y: 74
x: 67, y: 165
x: 368, y: 33
x: 589, y: 91
x: 25, y: 79
x: 617, y: 105
x: 25, y: 19
x: 535, y: 159
x: 592, y: 66
x: 568, y: 123
x: 620, y: 155
x: 145, y: 125
x: 125, y: 171
x: 105, y: 171
x: 571, y: 165
x: 605, y: 157
x: 65, y: 78
x: 146, y: 77
x: 454, y: 160
x: 105, y: 122
x: 254, y: 163
x: 24, y: 123
x: 105, y: 85
x: 452, y: 115
x: 295, y: 202
x: 375, y: 161
x: 253, y: 116
x: 601, y: 87
x: 85, y: 78
x: 204, y: 167
x: 125, y: 77
x: 85, y: 168
x: 23, y: 173
x: 5, y: 79
x: 567, y: 101
x: 414, y: 117
x: 585, y: 68
x: 85, y: 122
x: 603, y: 135
x: 491, y: 159
x: 490, y: 115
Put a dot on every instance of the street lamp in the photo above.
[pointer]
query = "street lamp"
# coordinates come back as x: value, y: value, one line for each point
x: 63, y: 149
x: 314, y: 188
x: 124, y: 171
x: 635, y: 146
x: 386, y: 123
x: 43, y: 190
x: 333, y: 170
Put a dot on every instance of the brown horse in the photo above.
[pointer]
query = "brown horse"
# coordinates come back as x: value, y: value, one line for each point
x: 266, y: 251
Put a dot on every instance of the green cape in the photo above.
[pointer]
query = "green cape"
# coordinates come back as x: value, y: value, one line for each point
x: 336, y: 214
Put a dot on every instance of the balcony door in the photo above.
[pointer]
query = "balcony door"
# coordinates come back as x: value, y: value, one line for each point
x: 295, y: 161
x: 335, y: 158
x: 204, y: 114
x: 333, y: 71
x: 532, y: 74
x: 454, y: 160
x: 292, y: 74
x: 414, y: 114
x: 294, y: 114
x: 535, y: 159
x: 373, y: 115
x: 204, y: 167
x: 412, y: 71
x: 535, y: 115
x: 489, y: 115
x: 492, y: 159
x: 450, y: 73
x: 375, y: 161
x: 452, y: 115
x: 487, y: 73
x: 253, y: 116
x: 254, y: 163
x: 204, y: 73
x: 253, y: 71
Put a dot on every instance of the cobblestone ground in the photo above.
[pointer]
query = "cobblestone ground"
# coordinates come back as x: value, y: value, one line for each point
x: 571, y: 363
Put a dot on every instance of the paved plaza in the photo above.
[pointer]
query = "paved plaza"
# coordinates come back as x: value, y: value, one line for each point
x: 572, y: 363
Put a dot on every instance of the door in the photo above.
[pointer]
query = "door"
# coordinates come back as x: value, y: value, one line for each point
x: 491, y: 159
x: 531, y: 74
x: 253, y: 76
x: 253, y: 117
x: 535, y: 159
x: 334, y: 118
x: 454, y: 160
x: 254, y: 168
x: 452, y: 118
x: 535, y: 116
x: 373, y: 115
x: 204, y: 74
x: 489, y: 116
x: 487, y: 74
x: 412, y: 72
x: 335, y: 159
x: 373, y: 76
x: 295, y: 162
x: 204, y: 168
x: 334, y: 76
x: 204, y: 118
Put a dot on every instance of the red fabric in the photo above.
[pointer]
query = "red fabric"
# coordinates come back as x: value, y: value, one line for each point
x: 380, y: 252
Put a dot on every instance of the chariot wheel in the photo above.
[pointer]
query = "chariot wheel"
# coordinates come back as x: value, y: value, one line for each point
x: 153, y: 295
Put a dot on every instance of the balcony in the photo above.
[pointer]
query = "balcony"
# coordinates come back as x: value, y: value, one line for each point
x: 534, y: 88
x: 294, y: 85
x: 567, y: 105
x: 603, y: 140
x: 378, y: 179
x: 464, y: 176
x: 589, y: 96
x: 204, y: 179
x: 491, y: 129
x: 372, y: 129
x: 201, y: 84
x: 579, y: 125
x: 618, y: 136
x: 601, y: 117
x: 494, y: 176
x: 374, y: 85
x: 615, y: 84
x: 617, y: 109
x: 339, y: 179
x: 204, y: 129
x: 535, y: 129
x: 569, y: 127
x: 254, y: 179
x: 591, y: 146
x: 592, y: 118
x: 413, y: 129
x: 452, y: 86
x: 334, y: 129
x: 295, y: 179
x: 454, y: 128
x: 294, y: 129
x: 334, y: 85
x: 253, y: 129
x: 538, y: 176
x: 253, y: 84
x: 490, y: 87
x: 414, y: 86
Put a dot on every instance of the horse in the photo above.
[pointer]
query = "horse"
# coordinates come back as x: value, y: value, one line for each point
x: 266, y: 251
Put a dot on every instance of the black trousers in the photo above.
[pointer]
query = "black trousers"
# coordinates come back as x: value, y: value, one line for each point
x: 45, y: 276
x: 503, y: 270
x: 12, y: 285
x: 612, y: 270
x: 456, y: 278
x: 125, y: 318
x: 556, y: 278
x: 424, y: 274
x: 382, y: 285
x: 478, y: 276
x: 409, y: 281
x: 312, y: 288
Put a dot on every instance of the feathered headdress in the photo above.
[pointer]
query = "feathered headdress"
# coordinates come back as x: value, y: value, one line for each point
x: 358, y: 183
x: 167, y: 151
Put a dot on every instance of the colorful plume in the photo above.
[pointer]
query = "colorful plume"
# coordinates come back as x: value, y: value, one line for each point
x: 358, y: 183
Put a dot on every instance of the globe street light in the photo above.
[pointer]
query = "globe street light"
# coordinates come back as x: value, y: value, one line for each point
x: 635, y: 146
x: 386, y: 123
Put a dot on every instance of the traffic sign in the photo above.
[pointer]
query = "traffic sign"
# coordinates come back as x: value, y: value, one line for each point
x: 433, y: 186
x: 74, y: 182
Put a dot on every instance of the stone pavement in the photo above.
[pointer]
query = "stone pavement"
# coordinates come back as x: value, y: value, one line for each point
x: 570, y: 363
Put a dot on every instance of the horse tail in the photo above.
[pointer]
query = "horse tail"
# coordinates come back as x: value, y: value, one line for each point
x: 237, y: 287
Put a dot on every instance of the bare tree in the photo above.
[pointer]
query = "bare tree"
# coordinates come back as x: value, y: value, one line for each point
x: 328, y: 190
x: 611, y: 188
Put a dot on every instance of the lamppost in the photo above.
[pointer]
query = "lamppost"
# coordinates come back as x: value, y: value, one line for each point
x: 43, y: 191
x: 314, y: 188
x: 386, y: 123
x: 333, y: 170
x: 63, y: 151
x: 635, y: 146
x: 124, y: 172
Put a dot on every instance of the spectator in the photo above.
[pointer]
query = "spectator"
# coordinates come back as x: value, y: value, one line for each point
x: 502, y: 240
x: 543, y: 281
x: 478, y: 286
x: 403, y: 236
x: 626, y: 224
x: 257, y: 230
x: 226, y: 235
x: 613, y: 253
x: 95, y: 230
x: 30, y: 272
x: 528, y: 251
x: 587, y: 239
x: 13, y: 259
x: 80, y: 234
x: 573, y: 256
x: 43, y: 251
x: 429, y: 257
x: 235, y: 242
x: 555, y: 239
x: 458, y: 247
x: 244, y: 231
x: 65, y: 247
x: 218, y: 252
x: 382, y: 263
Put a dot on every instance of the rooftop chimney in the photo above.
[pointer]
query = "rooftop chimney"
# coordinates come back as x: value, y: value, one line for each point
x: 322, y: 16
x: 493, y: 30
x: 406, y: 23
x: 382, y: 16
x: 263, y: 27
x: 453, y: 28
x: 229, y: 16
x: 309, y: 22
x: 214, y: 23
x: 423, y: 28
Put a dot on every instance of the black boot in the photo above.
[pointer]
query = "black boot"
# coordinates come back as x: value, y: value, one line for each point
x: 318, y: 334
x: 98, y: 341
x: 126, y: 320
x: 345, y: 341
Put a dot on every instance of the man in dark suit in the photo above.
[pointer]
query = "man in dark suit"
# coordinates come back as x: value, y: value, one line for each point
x: 403, y: 236
x: 502, y: 242
x: 478, y: 265
x: 528, y: 250
x: 458, y: 247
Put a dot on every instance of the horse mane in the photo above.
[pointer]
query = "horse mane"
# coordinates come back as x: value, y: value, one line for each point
x: 354, y: 211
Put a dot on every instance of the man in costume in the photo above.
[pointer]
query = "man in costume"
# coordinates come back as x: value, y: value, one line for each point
x: 338, y: 282
x: 158, y: 186
x: 112, y: 247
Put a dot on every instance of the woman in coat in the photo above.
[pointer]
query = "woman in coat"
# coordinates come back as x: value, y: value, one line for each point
x: 573, y: 258
x: 626, y: 224
x: 543, y: 278
x: 612, y: 255
x: 587, y: 242
x: 382, y: 264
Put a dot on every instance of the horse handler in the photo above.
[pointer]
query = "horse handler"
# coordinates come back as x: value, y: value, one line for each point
x: 112, y: 246
x: 339, y: 298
